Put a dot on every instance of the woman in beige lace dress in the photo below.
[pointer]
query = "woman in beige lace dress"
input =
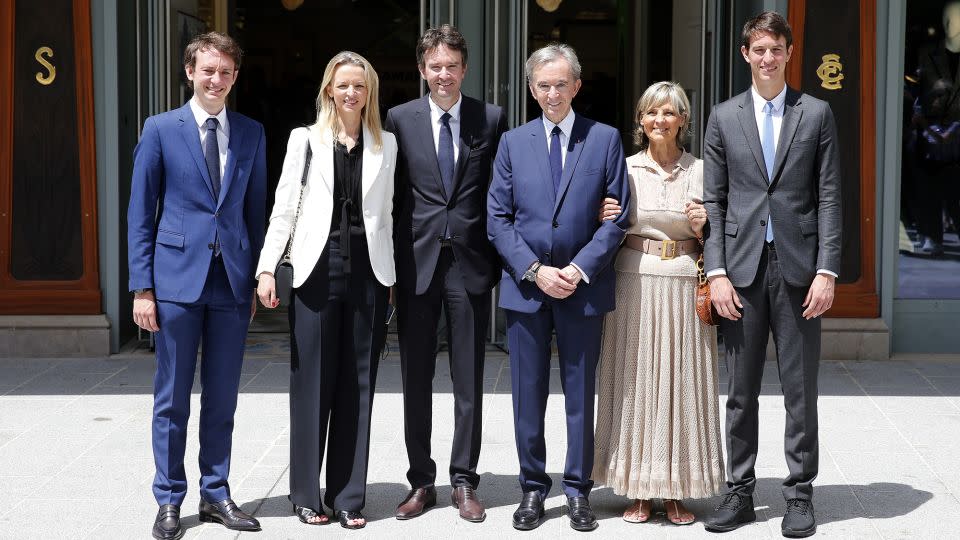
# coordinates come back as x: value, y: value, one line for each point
x: 658, y: 427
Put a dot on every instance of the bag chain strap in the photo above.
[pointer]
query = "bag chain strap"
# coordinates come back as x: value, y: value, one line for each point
x: 303, y: 184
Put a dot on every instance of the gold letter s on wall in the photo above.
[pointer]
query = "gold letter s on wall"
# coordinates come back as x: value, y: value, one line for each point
x: 51, y: 69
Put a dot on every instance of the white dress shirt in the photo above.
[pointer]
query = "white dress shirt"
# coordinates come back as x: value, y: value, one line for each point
x: 223, y: 131
x: 435, y: 113
x: 566, y: 127
x: 759, y: 103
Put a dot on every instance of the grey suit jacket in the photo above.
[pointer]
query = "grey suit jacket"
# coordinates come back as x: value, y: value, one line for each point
x: 802, y: 198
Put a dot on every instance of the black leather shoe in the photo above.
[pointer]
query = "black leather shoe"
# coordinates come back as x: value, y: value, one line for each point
x: 167, y: 525
x: 581, y: 516
x: 529, y: 514
x: 798, y: 522
x: 227, y: 514
x: 733, y: 511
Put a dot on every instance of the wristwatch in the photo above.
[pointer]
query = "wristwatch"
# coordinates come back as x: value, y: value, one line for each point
x: 140, y: 291
x: 531, y: 273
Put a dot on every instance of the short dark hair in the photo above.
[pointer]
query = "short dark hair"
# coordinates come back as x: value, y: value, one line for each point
x: 445, y: 34
x: 769, y: 22
x: 223, y: 43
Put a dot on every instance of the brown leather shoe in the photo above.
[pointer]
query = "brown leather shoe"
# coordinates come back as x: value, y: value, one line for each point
x: 465, y: 499
x: 417, y: 500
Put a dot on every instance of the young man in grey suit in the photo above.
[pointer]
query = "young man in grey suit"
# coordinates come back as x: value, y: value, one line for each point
x: 446, y: 145
x: 772, y: 253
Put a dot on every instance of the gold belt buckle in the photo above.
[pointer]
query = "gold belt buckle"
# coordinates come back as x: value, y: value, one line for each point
x: 668, y: 250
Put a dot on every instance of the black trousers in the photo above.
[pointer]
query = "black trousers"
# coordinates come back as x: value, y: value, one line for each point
x: 417, y: 320
x: 771, y: 304
x: 338, y: 332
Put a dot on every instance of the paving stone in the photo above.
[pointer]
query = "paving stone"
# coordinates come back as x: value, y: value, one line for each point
x: 886, y: 470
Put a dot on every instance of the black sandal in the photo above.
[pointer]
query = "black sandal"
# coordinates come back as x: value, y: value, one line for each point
x: 306, y: 514
x: 346, y: 516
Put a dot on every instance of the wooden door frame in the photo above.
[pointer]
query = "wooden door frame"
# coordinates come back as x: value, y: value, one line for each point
x: 80, y: 296
x: 860, y: 298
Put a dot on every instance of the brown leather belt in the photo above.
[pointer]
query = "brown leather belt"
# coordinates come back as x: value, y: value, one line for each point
x: 665, y: 249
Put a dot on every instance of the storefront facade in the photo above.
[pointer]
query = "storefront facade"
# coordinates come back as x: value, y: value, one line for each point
x: 75, y: 94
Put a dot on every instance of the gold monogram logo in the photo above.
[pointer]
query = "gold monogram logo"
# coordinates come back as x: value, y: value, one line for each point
x: 830, y: 72
x: 43, y: 55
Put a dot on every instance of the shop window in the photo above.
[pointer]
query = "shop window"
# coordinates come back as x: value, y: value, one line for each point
x: 929, y: 249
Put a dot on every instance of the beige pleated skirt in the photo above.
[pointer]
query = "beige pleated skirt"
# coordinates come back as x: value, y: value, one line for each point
x: 658, y: 421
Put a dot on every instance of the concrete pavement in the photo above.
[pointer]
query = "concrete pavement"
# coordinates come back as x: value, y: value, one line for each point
x: 75, y: 458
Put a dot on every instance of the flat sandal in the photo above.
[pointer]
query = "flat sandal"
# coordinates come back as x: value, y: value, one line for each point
x: 639, y: 504
x: 346, y: 516
x: 674, y: 517
x: 305, y: 514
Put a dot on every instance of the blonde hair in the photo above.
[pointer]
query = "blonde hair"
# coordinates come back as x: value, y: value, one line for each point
x: 658, y: 94
x: 327, y: 109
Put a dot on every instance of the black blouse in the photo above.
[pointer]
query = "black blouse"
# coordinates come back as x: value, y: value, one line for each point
x: 347, y: 197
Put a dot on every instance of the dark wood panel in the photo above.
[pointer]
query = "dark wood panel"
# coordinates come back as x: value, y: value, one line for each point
x: 47, y: 238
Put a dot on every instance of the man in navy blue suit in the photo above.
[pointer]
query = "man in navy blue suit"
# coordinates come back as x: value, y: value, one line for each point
x: 550, y: 176
x: 195, y: 228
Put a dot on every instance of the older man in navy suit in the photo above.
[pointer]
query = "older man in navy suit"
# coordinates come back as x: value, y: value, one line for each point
x: 550, y: 176
x: 195, y: 228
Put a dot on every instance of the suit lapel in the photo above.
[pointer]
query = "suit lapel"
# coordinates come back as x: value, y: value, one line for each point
x: 372, y: 159
x: 574, y: 149
x: 748, y: 122
x: 322, y: 145
x: 939, y: 59
x: 425, y: 130
x: 788, y: 129
x: 234, y: 144
x: 469, y: 121
x: 538, y: 144
x: 191, y: 138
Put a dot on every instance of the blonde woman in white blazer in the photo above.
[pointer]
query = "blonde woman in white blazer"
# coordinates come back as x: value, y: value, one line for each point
x: 342, y: 256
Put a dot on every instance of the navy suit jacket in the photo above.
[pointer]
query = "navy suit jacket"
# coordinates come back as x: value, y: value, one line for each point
x: 173, y: 218
x: 528, y: 221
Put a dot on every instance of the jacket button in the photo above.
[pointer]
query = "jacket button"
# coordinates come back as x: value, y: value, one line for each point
x: 210, y: 246
x: 763, y: 223
x: 546, y: 255
x: 216, y: 214
x: 555, y: 224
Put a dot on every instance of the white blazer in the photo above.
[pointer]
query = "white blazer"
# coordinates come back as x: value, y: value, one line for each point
x: 313, y: 226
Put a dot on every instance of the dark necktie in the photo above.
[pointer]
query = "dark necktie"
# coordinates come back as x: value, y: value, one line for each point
x: 445, y: 154
x: 556, y: 158
x: 211, y: 153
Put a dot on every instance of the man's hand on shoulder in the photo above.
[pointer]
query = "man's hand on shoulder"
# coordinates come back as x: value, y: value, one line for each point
x: 551, y: 281
x: 820, y: 296
x: 724, y: 297
x: 145, y: 311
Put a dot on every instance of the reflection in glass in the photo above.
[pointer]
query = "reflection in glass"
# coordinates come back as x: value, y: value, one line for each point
x: 930, y: 171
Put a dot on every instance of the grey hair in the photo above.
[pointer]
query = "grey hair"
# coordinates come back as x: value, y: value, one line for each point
x: 656, y: 95
x: 550, y: 53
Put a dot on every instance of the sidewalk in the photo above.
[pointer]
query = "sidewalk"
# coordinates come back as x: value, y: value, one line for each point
x: 75, y: 458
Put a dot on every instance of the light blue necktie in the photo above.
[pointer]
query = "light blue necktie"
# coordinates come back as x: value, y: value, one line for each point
x: 769, y: 154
